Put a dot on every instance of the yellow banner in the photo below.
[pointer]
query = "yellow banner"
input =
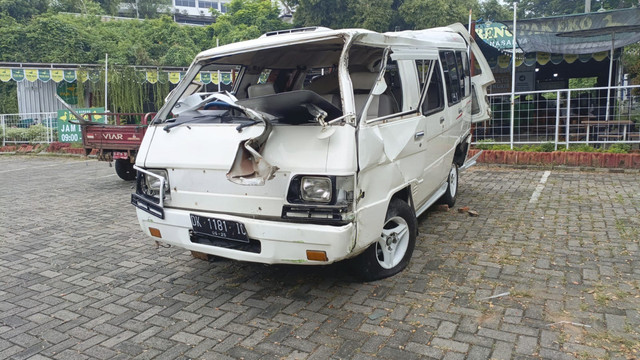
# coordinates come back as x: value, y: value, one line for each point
x: 5, y: 74
x: 57, y: 75
x: 174, y: 77
x: 504, y: 61
x: 31, y: 74
x: 543, y: 58
x: 82, y: 75
x: 519, y: 60
x: 152, y: 77
x: 198, y: 78
x: 599, y: 56
x: 214, y: 78
x: 570, y: 58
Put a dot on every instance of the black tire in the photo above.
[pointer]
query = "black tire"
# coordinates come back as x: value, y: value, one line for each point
x: 125, y: 170
x: 449, y: 197
x: 375, y: 263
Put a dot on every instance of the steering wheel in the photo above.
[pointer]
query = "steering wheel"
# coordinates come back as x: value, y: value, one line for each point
x: 217, y: 104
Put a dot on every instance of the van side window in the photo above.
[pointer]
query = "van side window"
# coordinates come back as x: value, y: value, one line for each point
x: 434, y: 98
x: 463, y: 67
x: 451, y: 76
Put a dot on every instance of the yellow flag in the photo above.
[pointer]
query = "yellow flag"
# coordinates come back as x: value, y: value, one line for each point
x: 5, y: 74
x: 543, y: 58
x: 570, y: 58
x: 174, y: 77
x: 599, y: 56
x: 31, y: 74
x: 57, y: 75
x: 152, y: 77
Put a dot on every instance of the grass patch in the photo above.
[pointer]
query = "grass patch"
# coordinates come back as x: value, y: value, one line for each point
x: 490, y: 144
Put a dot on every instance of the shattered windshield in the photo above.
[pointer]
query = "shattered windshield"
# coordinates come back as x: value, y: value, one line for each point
x: 288, y: 85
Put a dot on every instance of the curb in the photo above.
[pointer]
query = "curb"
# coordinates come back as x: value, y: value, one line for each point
x: 556, y: 159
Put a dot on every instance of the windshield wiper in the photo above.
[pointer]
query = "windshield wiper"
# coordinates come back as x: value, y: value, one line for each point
x: 168, y: 128
x: 242, y: 126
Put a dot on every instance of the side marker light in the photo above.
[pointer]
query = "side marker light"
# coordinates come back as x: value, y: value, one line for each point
x: 315, y: 255
x: 155, y: 232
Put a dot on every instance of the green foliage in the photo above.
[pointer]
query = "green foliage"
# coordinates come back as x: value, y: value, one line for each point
x: 582, y: 83
x: 330, y: 13
x: 619, y: 149
x: 8, y: 98
x: 542, y: 8
x: 63, y: 38
x: 631, y: 61
x: 382, y: 15
x: 22, y: 9
x: 426, y: 14
x: 579, y: 148
x: 489, y: 144
x: 34, y: 133
x: 150, y: 9
x: 493, y: 10
x: 247, y: 19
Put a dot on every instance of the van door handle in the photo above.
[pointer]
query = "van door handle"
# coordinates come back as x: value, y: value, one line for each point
x: 418, y: 135
x: 442, y: 120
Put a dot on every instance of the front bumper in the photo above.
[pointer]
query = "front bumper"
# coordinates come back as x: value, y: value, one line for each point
x: 272, y: 242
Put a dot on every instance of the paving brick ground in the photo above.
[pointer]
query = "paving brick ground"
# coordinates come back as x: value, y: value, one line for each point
x: 555, y: 275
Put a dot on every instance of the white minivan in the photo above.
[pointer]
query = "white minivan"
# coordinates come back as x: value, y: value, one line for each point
x: 329, y: 146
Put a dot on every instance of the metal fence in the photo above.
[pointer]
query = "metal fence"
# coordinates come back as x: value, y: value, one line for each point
x: 28, y: 128
x: 564, y: 117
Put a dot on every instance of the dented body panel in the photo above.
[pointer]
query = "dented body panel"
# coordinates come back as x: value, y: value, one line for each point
x: 322, y: 130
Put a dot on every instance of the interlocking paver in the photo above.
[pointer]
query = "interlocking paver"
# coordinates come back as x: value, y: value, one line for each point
x: 80, y: 280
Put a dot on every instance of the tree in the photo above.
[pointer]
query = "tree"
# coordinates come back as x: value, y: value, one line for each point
x: 427, y: 14
x: 493, y: 10
x: 631, y: 61
x: 329, y: 13
x: 382, y: 15
x: 247, y: 19
x: 541, y: 8
x: 21, y: 10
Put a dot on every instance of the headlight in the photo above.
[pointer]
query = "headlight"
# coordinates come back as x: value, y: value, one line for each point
x: 152, y: 181
x: 321, y: 199
x: 315, y: 189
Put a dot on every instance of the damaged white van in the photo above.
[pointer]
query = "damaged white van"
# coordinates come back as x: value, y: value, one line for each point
x: 329, y: 146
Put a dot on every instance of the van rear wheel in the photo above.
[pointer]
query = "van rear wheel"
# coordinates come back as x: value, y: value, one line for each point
x: 392, y: 251
x: 125, y: 170
x: 449, y: 197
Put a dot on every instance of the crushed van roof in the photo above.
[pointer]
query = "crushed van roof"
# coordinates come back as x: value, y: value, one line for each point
x: 437, y: 37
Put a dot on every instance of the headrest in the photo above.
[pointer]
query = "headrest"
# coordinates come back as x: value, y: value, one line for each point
x: 363, y: 80
x: 261, y: 90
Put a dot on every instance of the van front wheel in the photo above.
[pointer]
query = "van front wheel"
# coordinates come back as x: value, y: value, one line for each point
x: 449, y: 197
x: 391, y: 253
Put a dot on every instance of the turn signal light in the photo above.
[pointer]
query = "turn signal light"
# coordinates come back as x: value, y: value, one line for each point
x: 317, y: 255
x: 155, y: 232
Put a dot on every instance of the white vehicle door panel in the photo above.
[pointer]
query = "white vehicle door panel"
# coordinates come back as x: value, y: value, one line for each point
x: 480, y: 85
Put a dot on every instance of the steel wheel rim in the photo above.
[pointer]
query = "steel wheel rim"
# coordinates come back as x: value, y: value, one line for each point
x: 453, y: 181
x: 393, y: 243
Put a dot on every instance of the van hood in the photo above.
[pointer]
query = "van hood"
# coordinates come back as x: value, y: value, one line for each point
x: 198, y: 157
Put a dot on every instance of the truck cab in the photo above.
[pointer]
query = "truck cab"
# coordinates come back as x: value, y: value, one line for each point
x: 329, y: 147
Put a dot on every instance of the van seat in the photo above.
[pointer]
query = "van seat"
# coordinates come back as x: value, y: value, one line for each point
x: 381, y: 105
x: 261, y: 90
x: 327, y: 87
x: 325, y: 84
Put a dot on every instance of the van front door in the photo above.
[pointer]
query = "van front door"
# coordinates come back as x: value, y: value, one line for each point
x: 481, y: 77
